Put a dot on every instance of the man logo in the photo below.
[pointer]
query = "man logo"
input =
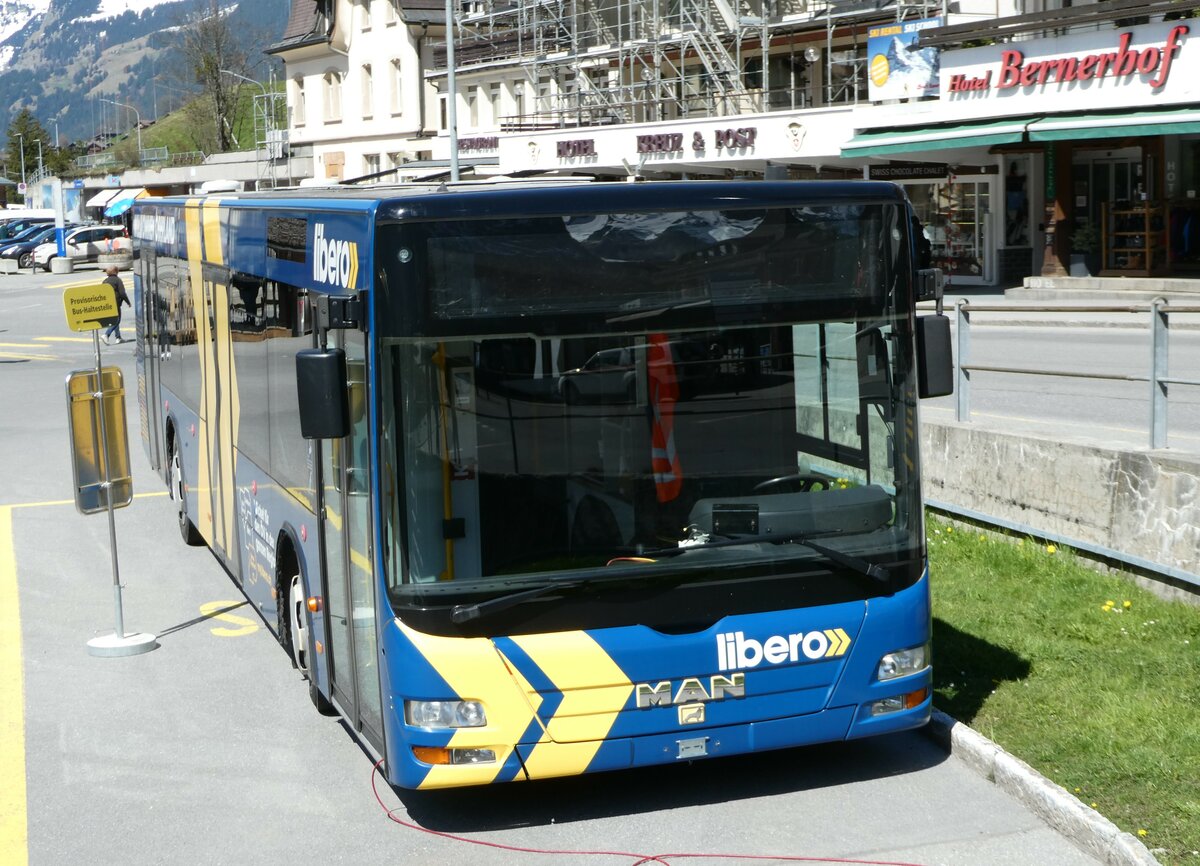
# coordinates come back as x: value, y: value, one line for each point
x: 690, y: 692
x: 334, y: 261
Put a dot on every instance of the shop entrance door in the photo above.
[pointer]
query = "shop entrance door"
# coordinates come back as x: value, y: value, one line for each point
x: 1106, y: 177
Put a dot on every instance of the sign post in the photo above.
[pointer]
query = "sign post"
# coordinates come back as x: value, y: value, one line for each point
x: 100, y: 448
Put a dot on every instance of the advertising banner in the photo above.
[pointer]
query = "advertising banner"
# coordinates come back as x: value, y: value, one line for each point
x: 895, y: 71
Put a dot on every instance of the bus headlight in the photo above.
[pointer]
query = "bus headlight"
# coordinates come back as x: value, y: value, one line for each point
x: 901, y: 663
x: 445, y: 714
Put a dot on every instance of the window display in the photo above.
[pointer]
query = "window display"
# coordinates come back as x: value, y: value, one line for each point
x: 954, y: 216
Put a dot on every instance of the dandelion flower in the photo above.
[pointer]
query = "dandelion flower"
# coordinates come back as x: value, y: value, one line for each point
x: 1079, y: 790
x: 1094, y: 806
x: 1050, y: 548
x: 983, y: 538
x: 1110, y: 603
x: 949, y: 529
x: 1142, y: 833
x: 1127, y: 604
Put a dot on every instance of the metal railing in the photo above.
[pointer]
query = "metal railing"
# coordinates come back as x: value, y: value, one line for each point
x: 1159, y: 379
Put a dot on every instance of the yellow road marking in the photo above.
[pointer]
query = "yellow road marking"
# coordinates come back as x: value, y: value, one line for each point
x: 28, y: 356
x: 72, y: 501
x: 220, y: 610
x: 65, y: 339
x: 14, y: 823
x: 22, y: 346
x: 71, y: 285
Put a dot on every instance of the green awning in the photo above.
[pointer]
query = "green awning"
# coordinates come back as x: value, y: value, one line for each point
x: 1116, y: 125
x: 884, y: 142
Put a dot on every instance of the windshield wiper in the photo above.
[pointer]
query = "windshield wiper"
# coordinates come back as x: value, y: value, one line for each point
x: 862, y: 566
x: 468, y: 612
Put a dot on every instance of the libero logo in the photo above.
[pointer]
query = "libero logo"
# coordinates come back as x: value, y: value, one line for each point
x: 335, y: 261
x: 735, y: 651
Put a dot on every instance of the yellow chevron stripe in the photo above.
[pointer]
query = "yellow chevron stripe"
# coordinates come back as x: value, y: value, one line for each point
x: 475, y: 671
x: 352, y: 282
x: 839, y: 642
x: 213, y: 251
x: 226, y: 427
x: 594, y: 691
x: 204, y: 519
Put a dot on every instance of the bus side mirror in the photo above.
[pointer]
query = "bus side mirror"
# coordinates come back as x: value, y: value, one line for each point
x: 321, y: 389
x: 935, y: 362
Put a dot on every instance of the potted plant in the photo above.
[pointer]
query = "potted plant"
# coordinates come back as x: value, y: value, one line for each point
x: 1085, y: 251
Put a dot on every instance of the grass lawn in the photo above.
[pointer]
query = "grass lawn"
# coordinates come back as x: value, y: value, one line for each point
x: 1089, y: 679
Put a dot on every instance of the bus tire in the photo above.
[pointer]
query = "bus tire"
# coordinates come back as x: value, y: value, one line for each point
x: 187, y: 530
x: 294, y: 625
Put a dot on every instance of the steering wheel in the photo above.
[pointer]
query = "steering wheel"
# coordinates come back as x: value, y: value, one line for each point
x: 801, y: 482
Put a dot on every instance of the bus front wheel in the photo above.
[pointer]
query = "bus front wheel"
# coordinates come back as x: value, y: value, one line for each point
x: 296, y: 634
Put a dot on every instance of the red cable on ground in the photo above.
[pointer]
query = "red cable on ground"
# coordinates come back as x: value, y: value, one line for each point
x: 638, y: 859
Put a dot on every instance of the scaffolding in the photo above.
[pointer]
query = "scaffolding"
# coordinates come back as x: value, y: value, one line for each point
x: 270, y: 135
x: 604, y: 62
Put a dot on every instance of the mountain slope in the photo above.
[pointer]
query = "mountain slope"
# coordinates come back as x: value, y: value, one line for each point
x: 59, y: 58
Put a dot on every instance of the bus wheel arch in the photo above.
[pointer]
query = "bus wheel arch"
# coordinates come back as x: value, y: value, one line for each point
x: 293, y: 621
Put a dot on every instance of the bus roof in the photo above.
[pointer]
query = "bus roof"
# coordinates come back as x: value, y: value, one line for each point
x: 475, y: 199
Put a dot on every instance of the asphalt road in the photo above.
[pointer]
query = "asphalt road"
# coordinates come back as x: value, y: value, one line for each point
x: 1107, y: 412
x: 207, y: 749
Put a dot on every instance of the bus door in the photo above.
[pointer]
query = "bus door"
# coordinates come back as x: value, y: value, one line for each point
x: 349, y: 572
x: 151, y: 326
x: 217, y: 405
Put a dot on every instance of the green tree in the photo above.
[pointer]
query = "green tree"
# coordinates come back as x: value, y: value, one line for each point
x: 24, y: 133
x: 211, y: 48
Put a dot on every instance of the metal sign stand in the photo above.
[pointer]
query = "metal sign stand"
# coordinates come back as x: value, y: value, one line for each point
x: 118, y: 643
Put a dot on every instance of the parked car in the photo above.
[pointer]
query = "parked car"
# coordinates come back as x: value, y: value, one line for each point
x: 84, y: 244
x: 12, y: 227
x: 22, y: 246
x: 610, y: 375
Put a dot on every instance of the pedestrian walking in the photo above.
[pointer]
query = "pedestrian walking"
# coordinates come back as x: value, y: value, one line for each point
x: 118, y: 287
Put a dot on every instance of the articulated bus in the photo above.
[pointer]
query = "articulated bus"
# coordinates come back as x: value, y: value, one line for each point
x: 540, y: 479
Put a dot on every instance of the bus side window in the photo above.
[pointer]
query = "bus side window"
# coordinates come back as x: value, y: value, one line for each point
x: 288, y: 328
x: 249, y: 336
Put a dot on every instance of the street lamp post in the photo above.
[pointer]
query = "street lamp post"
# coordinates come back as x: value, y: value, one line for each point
x: 41, y: 165
x: 22, y: 158
x: 451, y: 92
x: 268, y: 118
x: 138, y: 117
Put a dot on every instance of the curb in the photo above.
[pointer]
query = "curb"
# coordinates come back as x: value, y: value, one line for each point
x: 1085, y: 827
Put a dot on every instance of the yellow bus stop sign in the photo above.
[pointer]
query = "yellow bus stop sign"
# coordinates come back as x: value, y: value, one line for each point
x: 88, y: 306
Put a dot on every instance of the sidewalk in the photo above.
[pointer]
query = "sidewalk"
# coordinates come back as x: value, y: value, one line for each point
x: 1093, y: 302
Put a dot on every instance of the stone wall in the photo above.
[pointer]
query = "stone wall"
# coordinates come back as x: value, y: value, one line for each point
x: 1144, y: 504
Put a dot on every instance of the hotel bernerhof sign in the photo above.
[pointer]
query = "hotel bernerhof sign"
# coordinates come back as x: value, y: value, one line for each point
x: 1150, y: 65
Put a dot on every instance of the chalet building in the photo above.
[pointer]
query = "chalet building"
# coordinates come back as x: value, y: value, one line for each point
x: 1031, y: 138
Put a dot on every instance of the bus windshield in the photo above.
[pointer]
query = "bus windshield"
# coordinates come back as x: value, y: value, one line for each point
x: 645, y: 396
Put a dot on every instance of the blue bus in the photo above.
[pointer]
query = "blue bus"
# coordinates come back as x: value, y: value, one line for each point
x: 540, y: 479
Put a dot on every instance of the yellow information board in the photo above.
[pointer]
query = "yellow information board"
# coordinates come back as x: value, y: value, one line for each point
x: 88, y: 306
